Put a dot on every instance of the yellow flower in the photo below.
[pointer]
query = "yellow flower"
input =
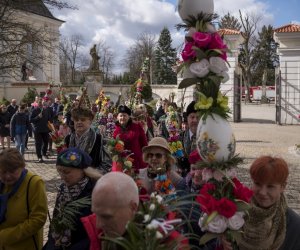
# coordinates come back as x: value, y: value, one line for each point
x: 73, y: 157
x: 179, y: 145
x: 222, y: 101
x: 204, y: 102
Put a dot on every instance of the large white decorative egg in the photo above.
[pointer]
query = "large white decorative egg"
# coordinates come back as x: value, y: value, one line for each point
x: 188, y: 8
x: 215, y: 139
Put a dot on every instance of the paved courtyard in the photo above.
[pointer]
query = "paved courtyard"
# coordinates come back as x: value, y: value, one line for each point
x: 256, y: 135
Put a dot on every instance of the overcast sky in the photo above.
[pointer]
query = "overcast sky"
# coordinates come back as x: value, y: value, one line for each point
x: 120, y: 22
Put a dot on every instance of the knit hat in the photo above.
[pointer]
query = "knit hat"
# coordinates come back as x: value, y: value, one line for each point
x: 157, y: 142
x: 74, y: 158
x: 124, y: 109
x: 191, y: 108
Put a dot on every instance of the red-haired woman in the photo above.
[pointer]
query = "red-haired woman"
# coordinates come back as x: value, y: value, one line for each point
x: 271, y: 224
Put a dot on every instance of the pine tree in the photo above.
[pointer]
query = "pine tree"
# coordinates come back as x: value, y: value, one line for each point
x: 229, y: 22
x: 265, y: 56
x: 165, y: 58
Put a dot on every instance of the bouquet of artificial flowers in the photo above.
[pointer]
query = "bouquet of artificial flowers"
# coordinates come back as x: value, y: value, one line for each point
x: 173, y: 130
x: 59, y: 140
x: 120, y: 157
x: 153, y: 228
x: 224, y: 201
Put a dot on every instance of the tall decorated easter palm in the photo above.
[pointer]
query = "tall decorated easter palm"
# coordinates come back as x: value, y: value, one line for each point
x: 223, y: 199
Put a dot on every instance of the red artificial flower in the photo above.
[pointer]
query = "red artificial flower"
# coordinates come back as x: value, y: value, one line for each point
x: 207, y: 187
x: 194, y: 157
x: 226, y: 207
x: 207, y: 203
x: 241, y: 192
x: 201, y: 39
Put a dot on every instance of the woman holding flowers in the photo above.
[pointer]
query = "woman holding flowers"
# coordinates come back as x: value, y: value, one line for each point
x: 271, y: 224
x: 73, y: 201
x: 132, y: 134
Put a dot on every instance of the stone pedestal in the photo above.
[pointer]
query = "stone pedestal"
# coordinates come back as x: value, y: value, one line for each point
x: 93, y: 82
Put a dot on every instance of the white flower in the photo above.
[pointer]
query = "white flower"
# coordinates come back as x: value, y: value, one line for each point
x: 152, y: 194
x: 152, y: 225
x: 152, y: 207
x: 218, y: 175
x: 217, y: 225
x: 128, y: 164
x: 236, y: 221
x: 217, y: 65
x: 158, y: 235
x: 187, y: 73
x: 225, y: 76
x: 200, y: 222
x: 201, y: 68
x: 207, y: 174
x: 159, y: 199
x: 146, y: 218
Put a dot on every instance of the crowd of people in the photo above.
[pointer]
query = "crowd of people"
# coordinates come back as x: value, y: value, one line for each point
x: 94, y: 204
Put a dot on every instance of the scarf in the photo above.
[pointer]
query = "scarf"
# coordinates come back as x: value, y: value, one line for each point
x: 265, y: 228
x: 5, y: 197
x: 65, y: 195
x: 84, y: 142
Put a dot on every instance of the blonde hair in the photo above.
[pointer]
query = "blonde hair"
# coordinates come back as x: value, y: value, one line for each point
x: 93, y: 173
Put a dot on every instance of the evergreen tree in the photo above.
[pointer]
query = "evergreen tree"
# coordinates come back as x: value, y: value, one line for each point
x: 229, y: 22
x: 165, y: 58
x: 265, y: 56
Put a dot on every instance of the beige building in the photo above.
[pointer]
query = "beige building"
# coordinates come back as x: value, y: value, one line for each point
x: 41, y: 20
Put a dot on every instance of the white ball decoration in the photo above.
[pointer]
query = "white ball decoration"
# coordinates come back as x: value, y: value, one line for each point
x: 215, y: 139
x: 188, y: 8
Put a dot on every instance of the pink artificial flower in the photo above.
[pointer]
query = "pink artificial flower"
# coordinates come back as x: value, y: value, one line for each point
x: 217, y: 43
x: 188, y: 52
x: 207, y: 174
x: 201, y: 39
x: 218, y: 175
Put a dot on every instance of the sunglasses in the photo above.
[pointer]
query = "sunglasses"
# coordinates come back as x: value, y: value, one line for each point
x: 157, y: 155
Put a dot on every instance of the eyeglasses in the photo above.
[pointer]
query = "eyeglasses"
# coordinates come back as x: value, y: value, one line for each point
x: 157, y: 155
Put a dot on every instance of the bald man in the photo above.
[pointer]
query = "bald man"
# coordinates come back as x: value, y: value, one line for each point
x: 115, y: 201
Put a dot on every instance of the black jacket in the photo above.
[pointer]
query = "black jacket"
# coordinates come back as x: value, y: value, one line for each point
x: 79, y: 238
x: 19, y: 124
x: 40, y: 124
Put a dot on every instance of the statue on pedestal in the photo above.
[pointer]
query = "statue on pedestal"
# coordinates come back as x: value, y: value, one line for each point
x: 94, y: 65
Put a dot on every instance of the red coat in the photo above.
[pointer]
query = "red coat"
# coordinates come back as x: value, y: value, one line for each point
x: 134, y: 139
x: 89, y: 223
